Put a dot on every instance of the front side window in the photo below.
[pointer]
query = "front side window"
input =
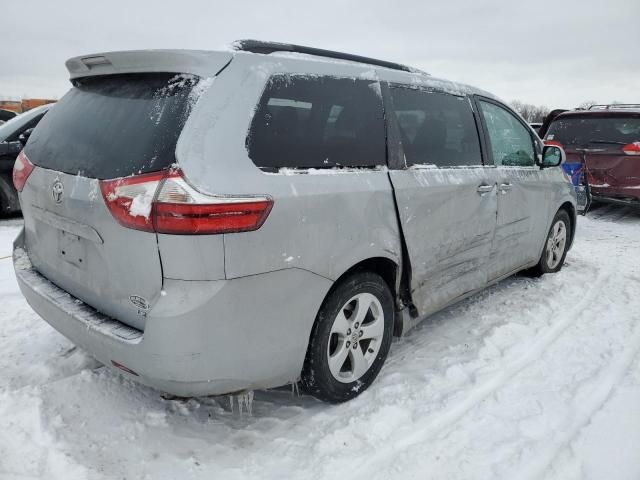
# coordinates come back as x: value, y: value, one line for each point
x: 510, y: 141
x: 436, y: 128
x: 307, y: 121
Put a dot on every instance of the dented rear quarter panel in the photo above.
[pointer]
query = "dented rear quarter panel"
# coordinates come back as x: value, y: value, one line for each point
x: 323, y: 221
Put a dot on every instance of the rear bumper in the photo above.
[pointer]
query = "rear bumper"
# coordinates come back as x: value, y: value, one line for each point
x: 202, y: 337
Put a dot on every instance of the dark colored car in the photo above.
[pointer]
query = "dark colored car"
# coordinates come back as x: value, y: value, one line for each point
x: 603, y: 149
x: 13, y: 135
x: 6, y: 115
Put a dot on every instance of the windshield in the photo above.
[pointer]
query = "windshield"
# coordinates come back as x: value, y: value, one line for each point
x: 583, y: 131
x: 114, y: 126
x: 9, y: 129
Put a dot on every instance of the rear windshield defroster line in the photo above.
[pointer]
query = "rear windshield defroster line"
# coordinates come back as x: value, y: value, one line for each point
x: 114, y: 126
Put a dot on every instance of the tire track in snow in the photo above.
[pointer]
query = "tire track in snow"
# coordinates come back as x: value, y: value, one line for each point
x: 407, y: 346
x: 604, y: 386
x: 439, y: 421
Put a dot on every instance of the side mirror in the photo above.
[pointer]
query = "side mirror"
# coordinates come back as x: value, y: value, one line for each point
x: 24, y: 136
x: 552, y: 156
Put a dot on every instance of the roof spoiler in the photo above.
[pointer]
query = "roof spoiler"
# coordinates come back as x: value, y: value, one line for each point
x: 196, y: 62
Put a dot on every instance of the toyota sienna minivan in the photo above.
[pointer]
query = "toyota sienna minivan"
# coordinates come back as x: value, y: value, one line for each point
x: 214, y: 222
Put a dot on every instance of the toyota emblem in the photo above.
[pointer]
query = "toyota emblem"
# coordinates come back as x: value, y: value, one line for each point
x: 56, y: 191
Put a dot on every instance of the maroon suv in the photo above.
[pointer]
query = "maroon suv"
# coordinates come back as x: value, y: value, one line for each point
x: 603, y: 143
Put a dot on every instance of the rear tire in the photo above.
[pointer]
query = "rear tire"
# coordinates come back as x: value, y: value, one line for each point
x: 350, y: 339
x: 9, y: 202
x: 556, y: 245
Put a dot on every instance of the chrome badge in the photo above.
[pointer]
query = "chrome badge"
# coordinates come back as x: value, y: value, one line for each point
x: 139, y: 302
x: 57, y: 191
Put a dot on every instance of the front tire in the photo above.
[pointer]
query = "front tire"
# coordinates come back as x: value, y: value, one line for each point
x: 350, y: 339
x: 556, y: 245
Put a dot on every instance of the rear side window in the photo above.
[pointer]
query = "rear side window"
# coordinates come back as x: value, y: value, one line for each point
x: 114, y: 126
x: 511, y: 142
x: 436, y: 128
x: 583, y: 131
x: 320, y: 122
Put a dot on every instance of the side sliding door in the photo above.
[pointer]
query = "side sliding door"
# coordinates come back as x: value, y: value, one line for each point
x: 445, y: 198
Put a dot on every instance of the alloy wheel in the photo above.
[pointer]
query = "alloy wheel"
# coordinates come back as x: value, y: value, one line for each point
x: 355, y: 338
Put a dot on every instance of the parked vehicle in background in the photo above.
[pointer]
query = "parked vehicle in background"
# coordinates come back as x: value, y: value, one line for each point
x: 603, y: 143
x: 24, y: 105
x: 6, y: 115
x: 252, y: 218
x: 13, y: 135
x: 536, y: 126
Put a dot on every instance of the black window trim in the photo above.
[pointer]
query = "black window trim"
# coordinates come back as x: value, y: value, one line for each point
x: 393, y: 142
x: 396, y: 159
x: 272, y: 170
x: 535, y: 140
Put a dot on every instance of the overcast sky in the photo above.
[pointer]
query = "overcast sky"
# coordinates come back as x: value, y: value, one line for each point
x: 555, y: 53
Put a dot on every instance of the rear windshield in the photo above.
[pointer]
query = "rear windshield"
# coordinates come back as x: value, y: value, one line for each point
x: 582, y: 131
x: 114, y: 126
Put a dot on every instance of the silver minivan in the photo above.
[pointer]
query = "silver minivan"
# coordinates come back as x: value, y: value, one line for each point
x: 213, y: 222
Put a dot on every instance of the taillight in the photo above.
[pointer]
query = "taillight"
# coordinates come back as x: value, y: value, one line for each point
x: 130, y: 199
x: 21, y: 171
x: 632, y: 148
x: 165, y: 203
x: 554, y: 143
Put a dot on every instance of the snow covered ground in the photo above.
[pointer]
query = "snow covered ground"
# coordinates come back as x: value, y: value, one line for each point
x: 534, y: 378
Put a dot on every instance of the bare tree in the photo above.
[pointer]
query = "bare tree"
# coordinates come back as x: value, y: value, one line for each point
x: 531, y: 113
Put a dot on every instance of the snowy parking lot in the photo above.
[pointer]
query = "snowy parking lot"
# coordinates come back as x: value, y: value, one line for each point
x: 533, y: 378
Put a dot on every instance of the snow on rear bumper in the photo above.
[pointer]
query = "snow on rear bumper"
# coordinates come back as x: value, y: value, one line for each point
x: 202, y: 338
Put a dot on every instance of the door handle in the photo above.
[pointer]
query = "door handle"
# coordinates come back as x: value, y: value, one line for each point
x: 505, y: 188
x: 482, y: 189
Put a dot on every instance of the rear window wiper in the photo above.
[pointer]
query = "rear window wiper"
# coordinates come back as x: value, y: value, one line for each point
x: 611, y: 142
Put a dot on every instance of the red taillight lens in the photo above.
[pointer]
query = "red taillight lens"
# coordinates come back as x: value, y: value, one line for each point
x: 21, y: 171
x: 632, y: 148
x: 211, y: 218
x: 165, y: 203
x: 554, y: 143
x: 130, y: 199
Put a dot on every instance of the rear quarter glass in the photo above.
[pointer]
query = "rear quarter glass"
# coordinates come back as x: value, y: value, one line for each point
x: 307, y: 121
x: 115, y: 126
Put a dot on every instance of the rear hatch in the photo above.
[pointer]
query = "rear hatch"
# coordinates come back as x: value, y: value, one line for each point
x: 105, y: 127
x: 607, y: 145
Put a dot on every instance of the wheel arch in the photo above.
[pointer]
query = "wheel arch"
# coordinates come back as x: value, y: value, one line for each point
x: 383, y: 266
x: 571, y: 211
x: 9, y: 202
x: 391, y: 272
